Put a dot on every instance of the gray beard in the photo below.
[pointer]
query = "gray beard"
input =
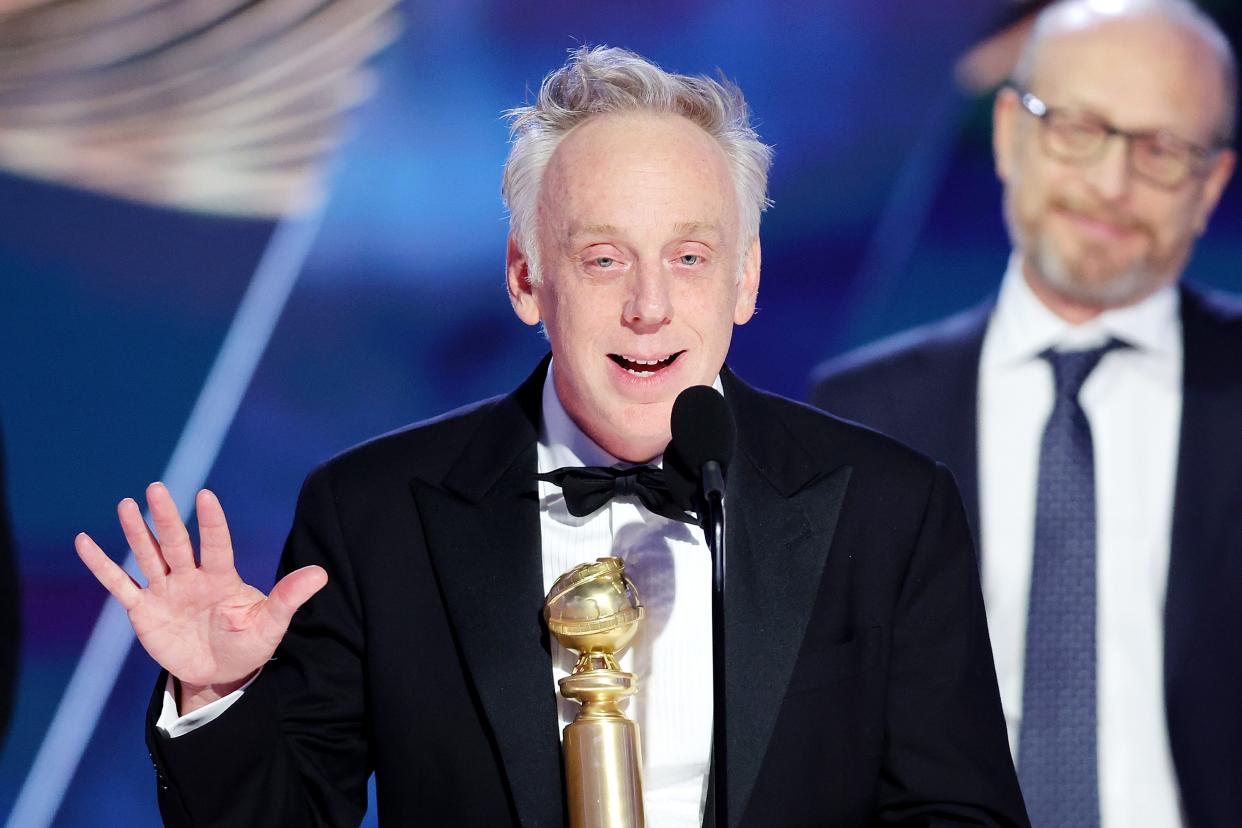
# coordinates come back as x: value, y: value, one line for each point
x: 1040, y: 254
x: 1118, y: 290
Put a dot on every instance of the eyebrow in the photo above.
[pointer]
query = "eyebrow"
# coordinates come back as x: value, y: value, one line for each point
x: 1080, y: 107
x: 690, y: 228
x: 681, y: 228
x: 592, y: 229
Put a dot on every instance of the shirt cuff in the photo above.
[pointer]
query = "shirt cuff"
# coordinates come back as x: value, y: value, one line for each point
x: 172, y: 725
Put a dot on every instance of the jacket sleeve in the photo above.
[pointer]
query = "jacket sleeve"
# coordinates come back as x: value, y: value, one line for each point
x: 294, y: 749
x: 947, y: 758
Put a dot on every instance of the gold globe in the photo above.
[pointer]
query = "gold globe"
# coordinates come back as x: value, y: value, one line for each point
x: 594, y: 609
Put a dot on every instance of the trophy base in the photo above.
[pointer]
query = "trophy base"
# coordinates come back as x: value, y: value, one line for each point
x: 603, y: 760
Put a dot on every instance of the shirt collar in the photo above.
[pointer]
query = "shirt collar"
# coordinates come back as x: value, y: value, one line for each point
x: 564, y: 444
x: 1022, y: 326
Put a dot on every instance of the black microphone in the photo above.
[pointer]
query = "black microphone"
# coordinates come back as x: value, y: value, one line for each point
x: 698, y: 458
x: 695, y: 464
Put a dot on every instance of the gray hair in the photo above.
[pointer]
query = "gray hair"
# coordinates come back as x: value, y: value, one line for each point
x: 1071, y: 13
x: 602, y: 80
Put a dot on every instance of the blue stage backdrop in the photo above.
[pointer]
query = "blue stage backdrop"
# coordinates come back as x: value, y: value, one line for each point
x: 113, y: 312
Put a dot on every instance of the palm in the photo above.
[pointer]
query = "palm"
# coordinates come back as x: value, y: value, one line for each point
x: 205, y: 628
x: 201, y: 622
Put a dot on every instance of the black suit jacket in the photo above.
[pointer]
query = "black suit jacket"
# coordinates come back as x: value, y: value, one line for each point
x: 921, y: 386
x: 859, y: 675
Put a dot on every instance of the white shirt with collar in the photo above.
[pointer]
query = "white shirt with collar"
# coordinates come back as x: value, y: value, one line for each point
x: 1133, y: 401
x: 672, y: 653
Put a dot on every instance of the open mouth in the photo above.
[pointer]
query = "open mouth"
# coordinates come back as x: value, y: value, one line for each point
x: 644, y: 367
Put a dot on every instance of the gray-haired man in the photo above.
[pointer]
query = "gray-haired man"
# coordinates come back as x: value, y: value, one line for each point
x: 859, y: 675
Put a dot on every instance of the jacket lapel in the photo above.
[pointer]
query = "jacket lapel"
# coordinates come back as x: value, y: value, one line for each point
x: 482, y: 528
x: 782, y: 514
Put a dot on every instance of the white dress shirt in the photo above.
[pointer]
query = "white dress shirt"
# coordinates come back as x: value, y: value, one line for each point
x: 672, y: 653
x: 1133, y: 401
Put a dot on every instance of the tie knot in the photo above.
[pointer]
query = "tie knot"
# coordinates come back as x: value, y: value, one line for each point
x: 1070, y: 369
x: 626, y: 483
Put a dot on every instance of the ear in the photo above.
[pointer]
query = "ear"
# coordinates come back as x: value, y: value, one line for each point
x: 1004, y: 115
x: 1213, y: 186
x: 748, y: 287
x: 517, y: 277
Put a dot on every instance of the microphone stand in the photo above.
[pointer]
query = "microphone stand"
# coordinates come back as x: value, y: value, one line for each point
x: 713, y: 525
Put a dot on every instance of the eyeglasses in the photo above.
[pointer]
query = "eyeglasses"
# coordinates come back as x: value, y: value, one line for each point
x: 1078, y: 137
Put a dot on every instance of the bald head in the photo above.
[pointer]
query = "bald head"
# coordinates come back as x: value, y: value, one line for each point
x: 1176, y: 29
x: 1154, y: 81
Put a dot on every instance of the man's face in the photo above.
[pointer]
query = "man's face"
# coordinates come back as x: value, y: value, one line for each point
x: 640, y: 250
x: 1095, y: 235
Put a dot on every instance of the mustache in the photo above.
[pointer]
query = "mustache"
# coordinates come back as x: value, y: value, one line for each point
x: 1100, y: 212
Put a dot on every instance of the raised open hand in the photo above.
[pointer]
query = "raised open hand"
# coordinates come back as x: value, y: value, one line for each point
x: 200, y: 621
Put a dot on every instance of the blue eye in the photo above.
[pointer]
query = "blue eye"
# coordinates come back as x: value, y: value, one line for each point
x: 690, y: 259
x: 605, y: 261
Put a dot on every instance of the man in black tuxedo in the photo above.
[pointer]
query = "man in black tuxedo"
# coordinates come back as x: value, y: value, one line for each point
x: 859, y: 673
x: 1089, y: 412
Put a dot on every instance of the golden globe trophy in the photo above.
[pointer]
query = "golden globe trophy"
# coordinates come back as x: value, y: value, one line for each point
x: 594, y: 610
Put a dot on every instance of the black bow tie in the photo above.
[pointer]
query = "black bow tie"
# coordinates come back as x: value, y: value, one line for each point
x: 589, y: 488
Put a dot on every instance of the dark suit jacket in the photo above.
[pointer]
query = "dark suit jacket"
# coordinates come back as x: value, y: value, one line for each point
x: 860, y: 682
x: 920, y: 387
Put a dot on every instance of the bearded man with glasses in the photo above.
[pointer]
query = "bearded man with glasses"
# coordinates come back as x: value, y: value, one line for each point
x: 1090, y: 411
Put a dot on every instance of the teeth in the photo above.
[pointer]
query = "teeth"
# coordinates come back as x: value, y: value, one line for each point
x: 636, y: 366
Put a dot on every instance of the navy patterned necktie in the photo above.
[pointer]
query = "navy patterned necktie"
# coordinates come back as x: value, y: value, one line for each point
x: 1057, y: 754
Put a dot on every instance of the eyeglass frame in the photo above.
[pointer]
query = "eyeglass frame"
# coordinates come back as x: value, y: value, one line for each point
x: 1198, y: 157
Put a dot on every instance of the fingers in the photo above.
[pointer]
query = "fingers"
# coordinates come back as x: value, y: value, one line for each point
x: 291, y: 592
x: 215, y: 545
x: 138, y: 534
x: 173, y: 538
x: 105, y: 570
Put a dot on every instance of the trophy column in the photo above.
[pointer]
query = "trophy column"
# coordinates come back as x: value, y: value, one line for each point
x: 594, y: 610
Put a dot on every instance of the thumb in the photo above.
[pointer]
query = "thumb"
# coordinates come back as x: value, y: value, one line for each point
x: 291, y: 592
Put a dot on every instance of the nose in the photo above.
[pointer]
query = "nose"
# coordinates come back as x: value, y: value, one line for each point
x: 1110, y: 175
x: 649, y: 304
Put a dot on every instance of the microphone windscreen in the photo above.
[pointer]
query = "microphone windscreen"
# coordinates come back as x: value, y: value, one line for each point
x: 702, y: 428
x: 683, y: 481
